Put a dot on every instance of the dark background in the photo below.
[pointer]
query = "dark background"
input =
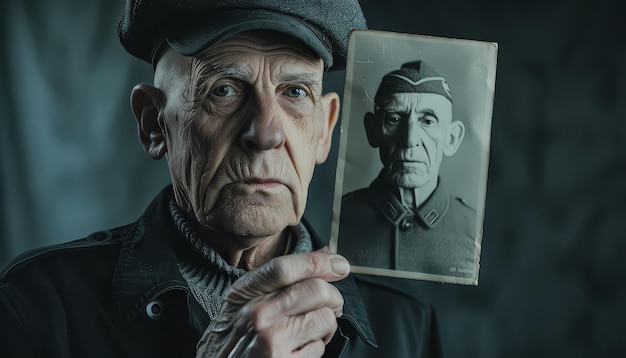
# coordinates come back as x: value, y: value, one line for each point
x: 553, y: 272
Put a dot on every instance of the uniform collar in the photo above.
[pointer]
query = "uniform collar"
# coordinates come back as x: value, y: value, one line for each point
x: 386, y: 199
x: 147, y: 267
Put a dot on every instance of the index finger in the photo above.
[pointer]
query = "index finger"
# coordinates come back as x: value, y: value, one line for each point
x: 284, y: 271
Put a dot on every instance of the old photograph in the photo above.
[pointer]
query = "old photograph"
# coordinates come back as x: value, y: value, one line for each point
x: 413, y: 156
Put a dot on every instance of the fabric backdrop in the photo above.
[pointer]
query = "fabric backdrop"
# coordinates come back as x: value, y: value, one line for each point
x: 552, y: 282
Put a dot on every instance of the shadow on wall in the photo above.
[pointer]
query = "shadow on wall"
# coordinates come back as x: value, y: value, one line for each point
x: 71, y: 160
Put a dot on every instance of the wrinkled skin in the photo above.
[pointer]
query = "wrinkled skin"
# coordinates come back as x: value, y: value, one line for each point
x: 284, y: 309
x: 242, y: 126
x: 414, y: 131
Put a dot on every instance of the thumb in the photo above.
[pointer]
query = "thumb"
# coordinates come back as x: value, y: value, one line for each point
x: 286, y: 270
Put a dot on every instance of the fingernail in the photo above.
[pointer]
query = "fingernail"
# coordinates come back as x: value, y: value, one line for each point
x: 340, y: 265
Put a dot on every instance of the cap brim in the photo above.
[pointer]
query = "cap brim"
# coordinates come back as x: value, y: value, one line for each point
x: 211, y: 31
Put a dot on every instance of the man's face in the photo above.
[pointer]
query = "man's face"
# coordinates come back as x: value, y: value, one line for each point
x: 245, y: 124
x: 415, y: 128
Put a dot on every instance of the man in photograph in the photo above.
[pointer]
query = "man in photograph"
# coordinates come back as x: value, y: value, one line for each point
x: 221, y: 263
x: 406, y: 219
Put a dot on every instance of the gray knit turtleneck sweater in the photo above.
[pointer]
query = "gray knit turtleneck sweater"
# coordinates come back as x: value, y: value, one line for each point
x: 209, y: 278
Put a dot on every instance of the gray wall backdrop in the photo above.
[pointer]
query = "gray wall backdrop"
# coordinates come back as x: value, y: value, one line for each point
x: 552, y: 281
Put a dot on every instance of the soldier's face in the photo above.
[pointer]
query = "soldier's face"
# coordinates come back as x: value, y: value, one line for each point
x: 245, y: 123
x: 415, y: 127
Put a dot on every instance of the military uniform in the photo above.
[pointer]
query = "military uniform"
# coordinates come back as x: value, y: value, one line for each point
x: 378, y: 231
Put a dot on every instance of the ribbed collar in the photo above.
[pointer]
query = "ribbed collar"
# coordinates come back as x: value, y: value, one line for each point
x: 429, y: 213
x: 147, y: 267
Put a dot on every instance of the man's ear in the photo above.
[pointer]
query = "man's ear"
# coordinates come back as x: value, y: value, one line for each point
x: 373, y: 129
x: 455, y: 135
x: 145, y: 102
x: 330, y: 103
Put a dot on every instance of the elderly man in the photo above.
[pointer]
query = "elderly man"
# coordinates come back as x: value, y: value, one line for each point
x: 406, y: 220
x: 220, y: 264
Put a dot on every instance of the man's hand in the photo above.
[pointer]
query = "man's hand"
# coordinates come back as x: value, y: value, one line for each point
x: 285, y: 308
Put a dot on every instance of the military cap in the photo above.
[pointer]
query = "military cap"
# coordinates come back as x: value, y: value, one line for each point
x: 191, y: 26
x: 413, y: 77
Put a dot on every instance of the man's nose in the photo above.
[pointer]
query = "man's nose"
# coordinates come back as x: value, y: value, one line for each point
x: 411, y: 136
x: 264, y: 129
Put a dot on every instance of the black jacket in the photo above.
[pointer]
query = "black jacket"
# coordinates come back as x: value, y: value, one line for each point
x: 119, y: 293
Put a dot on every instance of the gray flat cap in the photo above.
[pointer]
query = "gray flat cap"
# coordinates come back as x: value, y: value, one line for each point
x: 191, y: 26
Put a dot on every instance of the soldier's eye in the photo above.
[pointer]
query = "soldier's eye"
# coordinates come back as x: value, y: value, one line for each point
x: 428, y: 120
x: 392, y: 119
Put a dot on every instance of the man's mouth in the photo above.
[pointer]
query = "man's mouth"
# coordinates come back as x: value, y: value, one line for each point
x: 410, y: 165
x: 265, y: 182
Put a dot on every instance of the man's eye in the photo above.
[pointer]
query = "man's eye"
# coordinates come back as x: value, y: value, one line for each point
x: 223, y: 91
x: 296, y: 92
x: 428, y: 120
x: 392, y: 119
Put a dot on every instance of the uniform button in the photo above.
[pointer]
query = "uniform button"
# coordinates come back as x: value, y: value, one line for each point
x: 154, y: 309
x: 406, y: 224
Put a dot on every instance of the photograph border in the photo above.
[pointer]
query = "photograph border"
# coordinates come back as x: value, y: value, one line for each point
x: 490, y: 56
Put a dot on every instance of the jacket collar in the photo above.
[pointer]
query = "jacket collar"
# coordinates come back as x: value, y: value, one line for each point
x: 353, y: 309
x: 147, y: 267
x: 429, y: 213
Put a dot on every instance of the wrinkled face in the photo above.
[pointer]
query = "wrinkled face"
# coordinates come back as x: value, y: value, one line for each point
x: 415, y: 128
x: 245, y: 124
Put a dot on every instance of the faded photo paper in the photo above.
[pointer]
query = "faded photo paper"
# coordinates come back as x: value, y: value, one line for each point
x: 413, y: 156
